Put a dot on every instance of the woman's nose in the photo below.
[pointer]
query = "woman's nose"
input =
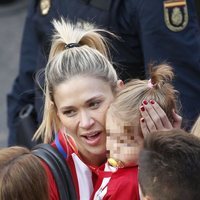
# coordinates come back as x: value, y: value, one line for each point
x: 86, y: 121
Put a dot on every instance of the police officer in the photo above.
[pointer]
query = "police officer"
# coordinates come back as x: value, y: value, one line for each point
x: 163, y: 30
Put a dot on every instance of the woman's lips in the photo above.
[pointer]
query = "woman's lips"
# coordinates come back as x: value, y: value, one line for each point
x: 92, y: 138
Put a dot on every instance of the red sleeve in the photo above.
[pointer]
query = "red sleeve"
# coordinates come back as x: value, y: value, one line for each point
x: 53, y: 192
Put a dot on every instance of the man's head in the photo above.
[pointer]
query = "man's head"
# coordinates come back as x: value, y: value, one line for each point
x: 169, y: 166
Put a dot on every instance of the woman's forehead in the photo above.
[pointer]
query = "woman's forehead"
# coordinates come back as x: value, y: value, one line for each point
x: 82, y: 89
x: 83, y: 84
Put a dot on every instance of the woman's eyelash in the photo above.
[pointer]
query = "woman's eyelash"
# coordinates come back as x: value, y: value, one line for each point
x: 95, y: 104
x: 69, y: 112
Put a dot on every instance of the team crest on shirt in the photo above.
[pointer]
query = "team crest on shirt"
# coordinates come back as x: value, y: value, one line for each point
x: 45, y: 6
x: 175, y: 14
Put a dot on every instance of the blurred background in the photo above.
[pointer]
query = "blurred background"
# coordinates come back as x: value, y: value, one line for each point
x: 12, y: 17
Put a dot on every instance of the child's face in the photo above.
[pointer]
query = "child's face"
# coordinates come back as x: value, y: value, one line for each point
x: 123, y: 141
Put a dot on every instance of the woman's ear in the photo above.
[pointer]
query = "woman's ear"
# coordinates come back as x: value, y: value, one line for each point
x: 120, y: 84
x: 58, y: 115
x: 54, y: 109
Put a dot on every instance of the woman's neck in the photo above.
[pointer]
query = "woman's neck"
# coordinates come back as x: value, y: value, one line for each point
x: 94, y: 160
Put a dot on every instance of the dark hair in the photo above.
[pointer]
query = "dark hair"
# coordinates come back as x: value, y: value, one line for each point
x: 22, y: 176
x: 169, y: 166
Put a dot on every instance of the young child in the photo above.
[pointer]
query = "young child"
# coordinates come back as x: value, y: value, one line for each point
x: 22, y: 175
x: 169, y: 166
x: 117, y: 179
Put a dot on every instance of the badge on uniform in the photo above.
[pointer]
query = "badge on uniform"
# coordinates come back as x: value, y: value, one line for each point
x: 45, y: 6
x: 175, y: 14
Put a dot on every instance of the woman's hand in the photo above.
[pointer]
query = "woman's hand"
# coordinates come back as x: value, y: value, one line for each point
x: 155, y: 119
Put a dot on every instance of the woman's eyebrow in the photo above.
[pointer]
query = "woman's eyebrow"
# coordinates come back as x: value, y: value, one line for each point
x: 66, y: 108
x: 88, y: 101
x: 94, y: 98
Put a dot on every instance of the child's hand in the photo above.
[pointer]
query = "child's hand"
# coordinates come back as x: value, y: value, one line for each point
x: 155, y: 119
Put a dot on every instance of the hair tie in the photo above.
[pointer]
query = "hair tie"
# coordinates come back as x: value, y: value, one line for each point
x: 71, y: 45
x: 150, y: 85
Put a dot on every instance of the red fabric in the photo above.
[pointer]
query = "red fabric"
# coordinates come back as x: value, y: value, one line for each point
x: 53, y: 192
x: 122, y: 185
x: 52, y: 184
x: 69, y: 148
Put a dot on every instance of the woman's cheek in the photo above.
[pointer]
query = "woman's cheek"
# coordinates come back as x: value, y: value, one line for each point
x: 70, y: 125
x: 102, y: 115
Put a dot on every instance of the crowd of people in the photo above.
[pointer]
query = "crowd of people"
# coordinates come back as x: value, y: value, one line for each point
x: 120, y: 133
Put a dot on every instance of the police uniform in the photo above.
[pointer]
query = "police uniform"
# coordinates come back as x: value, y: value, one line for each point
x: 163, y: 30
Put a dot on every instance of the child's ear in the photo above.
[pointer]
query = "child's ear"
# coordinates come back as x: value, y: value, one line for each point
x: 120, y: 84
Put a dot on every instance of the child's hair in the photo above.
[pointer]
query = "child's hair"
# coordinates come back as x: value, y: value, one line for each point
x: 169, y: 166
x: 22, y: 175
x: 75, y: 51
x: 196, y: 128
x: 126, y: 105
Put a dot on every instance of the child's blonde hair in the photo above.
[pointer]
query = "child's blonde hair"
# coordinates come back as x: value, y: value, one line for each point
x: 159, y: 88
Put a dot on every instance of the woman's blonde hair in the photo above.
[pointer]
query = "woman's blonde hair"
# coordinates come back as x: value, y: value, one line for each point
x: 22, y: 175
x: 89, y: 57
x: 159, y: 88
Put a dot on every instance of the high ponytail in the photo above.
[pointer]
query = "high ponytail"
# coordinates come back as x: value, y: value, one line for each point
x: 163, y: 90
x: 161, y: 74
x: 82, y: 34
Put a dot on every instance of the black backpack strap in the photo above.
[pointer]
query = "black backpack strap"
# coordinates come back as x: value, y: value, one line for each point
x: 59, y: 169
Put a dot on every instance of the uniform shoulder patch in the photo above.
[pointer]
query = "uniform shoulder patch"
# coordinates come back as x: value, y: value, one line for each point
x: 175, y: 14
x: 45, y: 6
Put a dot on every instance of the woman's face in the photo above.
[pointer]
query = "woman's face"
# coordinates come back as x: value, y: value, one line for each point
x: 81, y: 104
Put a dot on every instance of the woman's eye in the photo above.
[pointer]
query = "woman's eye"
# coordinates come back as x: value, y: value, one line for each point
x: 94, y: 105
x: 69, y: 113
